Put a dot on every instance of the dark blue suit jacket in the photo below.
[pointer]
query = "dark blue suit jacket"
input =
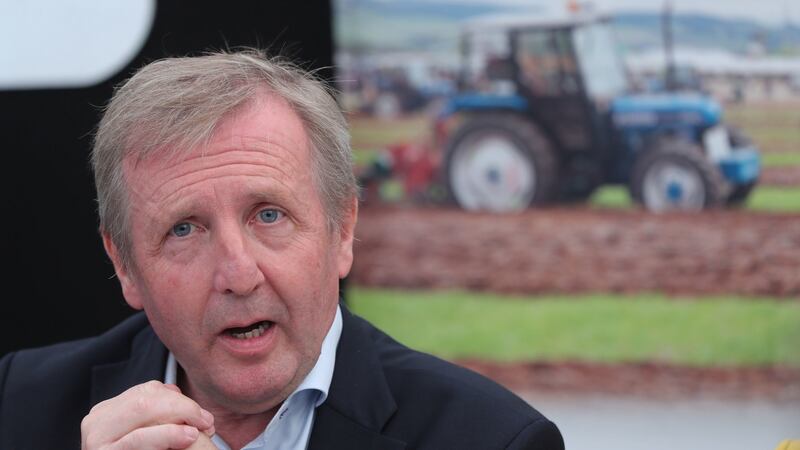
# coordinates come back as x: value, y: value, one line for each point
x: 382, y: 396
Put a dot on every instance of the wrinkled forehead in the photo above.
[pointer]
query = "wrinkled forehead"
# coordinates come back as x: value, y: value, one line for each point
x: 266, y: 123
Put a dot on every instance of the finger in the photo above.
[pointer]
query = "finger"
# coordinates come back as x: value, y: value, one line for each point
x: 158, y: 437
x: 147, y: 404
x: 203, y: 442
x: 210, y: 431
x: 173, y: 387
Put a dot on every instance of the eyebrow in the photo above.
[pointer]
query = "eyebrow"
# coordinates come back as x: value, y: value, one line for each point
x: 174, y: 216
x: 280, y: 197
x: 184, y: 209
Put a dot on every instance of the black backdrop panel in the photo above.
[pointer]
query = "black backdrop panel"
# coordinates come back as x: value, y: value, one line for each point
x: 57, y: 282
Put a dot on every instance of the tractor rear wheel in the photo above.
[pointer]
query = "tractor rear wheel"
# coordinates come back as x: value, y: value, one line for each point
x: 500, y: 163
x: 675, y: 175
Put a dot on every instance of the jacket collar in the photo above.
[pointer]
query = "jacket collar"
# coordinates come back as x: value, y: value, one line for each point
x: 360, y: 402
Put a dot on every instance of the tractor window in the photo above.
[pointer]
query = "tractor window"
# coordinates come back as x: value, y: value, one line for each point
x: 600, y: 63
x: 487, y: 61
x: 546, y: 66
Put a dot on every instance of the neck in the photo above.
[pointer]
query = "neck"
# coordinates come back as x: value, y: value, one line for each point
x: 236, y: 429
x: 239, y: 429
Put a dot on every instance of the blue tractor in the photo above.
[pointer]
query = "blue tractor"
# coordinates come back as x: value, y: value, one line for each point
x: 546, y: 113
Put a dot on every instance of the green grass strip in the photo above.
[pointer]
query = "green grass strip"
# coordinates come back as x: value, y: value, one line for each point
x: 600, y: 328
x: 611, y: 197
x: 780, y: 159
x: 789, y: 133
x: 774, y: 199
x: 763, y: 198
x: 372, y: 134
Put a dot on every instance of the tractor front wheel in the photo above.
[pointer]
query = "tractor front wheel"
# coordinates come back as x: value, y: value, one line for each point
x: 500, y: 163
x: 675, y: 175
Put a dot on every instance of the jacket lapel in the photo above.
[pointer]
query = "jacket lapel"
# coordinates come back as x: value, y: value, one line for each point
x: 359, y: 401
x: 147, y: 362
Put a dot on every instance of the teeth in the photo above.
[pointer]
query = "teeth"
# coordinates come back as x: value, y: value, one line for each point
x: 256, y: 332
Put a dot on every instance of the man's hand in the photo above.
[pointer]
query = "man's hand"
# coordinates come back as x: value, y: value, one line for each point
x: 203, y: 442
x: 151, y: 415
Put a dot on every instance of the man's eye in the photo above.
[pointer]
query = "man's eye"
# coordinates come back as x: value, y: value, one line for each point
x: 269, y: 215
x: 182, y: 229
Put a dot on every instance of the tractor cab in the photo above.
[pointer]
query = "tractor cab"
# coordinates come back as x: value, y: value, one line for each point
x: 560, y: 71
x: 547, y: 113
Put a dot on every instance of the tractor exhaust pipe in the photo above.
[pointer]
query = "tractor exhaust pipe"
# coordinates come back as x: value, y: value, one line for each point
x: 670, y: 82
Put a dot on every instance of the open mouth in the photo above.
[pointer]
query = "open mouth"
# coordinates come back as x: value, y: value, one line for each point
x: 249, y: 332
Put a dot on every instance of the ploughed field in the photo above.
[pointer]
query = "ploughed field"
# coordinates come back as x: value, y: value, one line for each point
x: 651, y: 380
x: 567, y: 250
x: 582, y: 250
x: 617, y: 249
x: 787, y: 176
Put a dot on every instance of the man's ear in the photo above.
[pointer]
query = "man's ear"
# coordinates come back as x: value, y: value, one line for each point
x: 346, y: 232
x: 130, y: 290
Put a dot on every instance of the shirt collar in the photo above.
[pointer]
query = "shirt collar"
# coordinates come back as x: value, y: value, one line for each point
x: 320, y: 376
x: 319, y: 379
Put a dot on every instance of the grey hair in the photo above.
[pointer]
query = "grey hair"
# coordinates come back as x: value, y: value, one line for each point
x: 175, y: 104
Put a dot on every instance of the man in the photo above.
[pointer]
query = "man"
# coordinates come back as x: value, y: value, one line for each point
x: 227, y: 205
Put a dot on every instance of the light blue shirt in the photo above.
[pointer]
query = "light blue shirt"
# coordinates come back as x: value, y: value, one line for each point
x: 290, y: 428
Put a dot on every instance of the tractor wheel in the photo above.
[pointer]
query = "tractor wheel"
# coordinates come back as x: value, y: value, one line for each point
x: 674, y: 175
x: 739, y: 194
x: 500, y: 163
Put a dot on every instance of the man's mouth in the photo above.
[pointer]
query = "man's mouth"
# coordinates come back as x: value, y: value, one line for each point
x: 249, y: 332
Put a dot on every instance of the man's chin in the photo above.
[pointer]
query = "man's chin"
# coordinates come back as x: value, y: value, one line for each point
x: 249, y: 393
x: 247, y: 387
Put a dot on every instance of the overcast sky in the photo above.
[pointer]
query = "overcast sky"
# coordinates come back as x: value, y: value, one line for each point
x: 767, y: 11
x: 770, y: 11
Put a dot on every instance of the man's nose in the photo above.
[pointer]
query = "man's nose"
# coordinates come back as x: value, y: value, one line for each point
x: 237, y: 270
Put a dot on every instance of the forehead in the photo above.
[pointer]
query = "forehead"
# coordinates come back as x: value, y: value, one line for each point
x: 264, y: 137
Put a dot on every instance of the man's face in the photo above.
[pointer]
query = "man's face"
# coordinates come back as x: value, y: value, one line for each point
x: 235, y: 265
